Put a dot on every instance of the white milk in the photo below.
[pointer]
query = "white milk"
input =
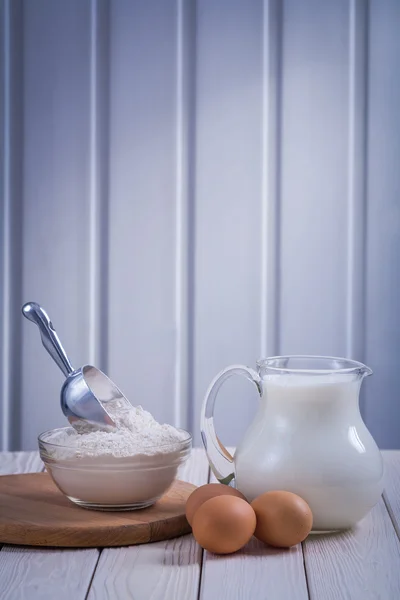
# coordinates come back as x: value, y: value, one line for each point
x: 308, y: 437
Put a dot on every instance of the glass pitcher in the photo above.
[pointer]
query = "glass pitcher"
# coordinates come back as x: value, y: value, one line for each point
x: 308, y: 437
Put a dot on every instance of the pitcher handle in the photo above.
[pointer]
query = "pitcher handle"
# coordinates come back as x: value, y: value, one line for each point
x: 221, y: 462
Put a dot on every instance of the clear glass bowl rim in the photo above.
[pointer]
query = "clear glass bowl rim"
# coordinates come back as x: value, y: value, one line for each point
x: 180, y: 445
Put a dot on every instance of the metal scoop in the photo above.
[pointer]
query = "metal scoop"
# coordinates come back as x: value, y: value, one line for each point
x: 84, y: 390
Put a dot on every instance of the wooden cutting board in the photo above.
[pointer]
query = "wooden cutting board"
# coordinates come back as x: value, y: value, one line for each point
x: 34, y: 512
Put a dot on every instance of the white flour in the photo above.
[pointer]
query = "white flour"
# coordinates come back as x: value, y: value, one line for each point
x: 130, y: 467
x: 138, y: 433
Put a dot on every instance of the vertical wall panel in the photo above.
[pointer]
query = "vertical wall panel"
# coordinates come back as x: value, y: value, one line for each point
x: 56, y: 190
x: 10, y: 219
x: 271, y: 177
x: 189, y: 184
x: 314, y: 177
x: 142, y: 211
x: 97, y: 230
x: 184, y: 210
x: 383, y: 230
x: 356, y: 179
x: 229, y: 150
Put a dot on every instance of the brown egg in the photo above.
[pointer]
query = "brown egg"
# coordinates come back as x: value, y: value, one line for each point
x: 224, y: 524
x: 283, y: 519
x: 204, y: 493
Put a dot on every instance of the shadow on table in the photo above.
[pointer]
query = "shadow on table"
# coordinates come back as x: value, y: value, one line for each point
x: 256, y: 548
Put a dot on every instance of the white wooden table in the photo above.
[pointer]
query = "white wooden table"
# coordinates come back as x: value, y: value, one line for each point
x: 361, y: 564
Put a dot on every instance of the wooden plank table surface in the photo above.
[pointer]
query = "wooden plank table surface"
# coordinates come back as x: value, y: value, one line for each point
x: 356, y: 565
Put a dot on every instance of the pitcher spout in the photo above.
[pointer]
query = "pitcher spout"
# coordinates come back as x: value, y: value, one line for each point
x: 365, y: 371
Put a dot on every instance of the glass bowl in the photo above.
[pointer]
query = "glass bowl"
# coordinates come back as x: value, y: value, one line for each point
x: 108, y: 482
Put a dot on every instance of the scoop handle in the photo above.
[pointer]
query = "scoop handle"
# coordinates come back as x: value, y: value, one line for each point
x: 50, y: 339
